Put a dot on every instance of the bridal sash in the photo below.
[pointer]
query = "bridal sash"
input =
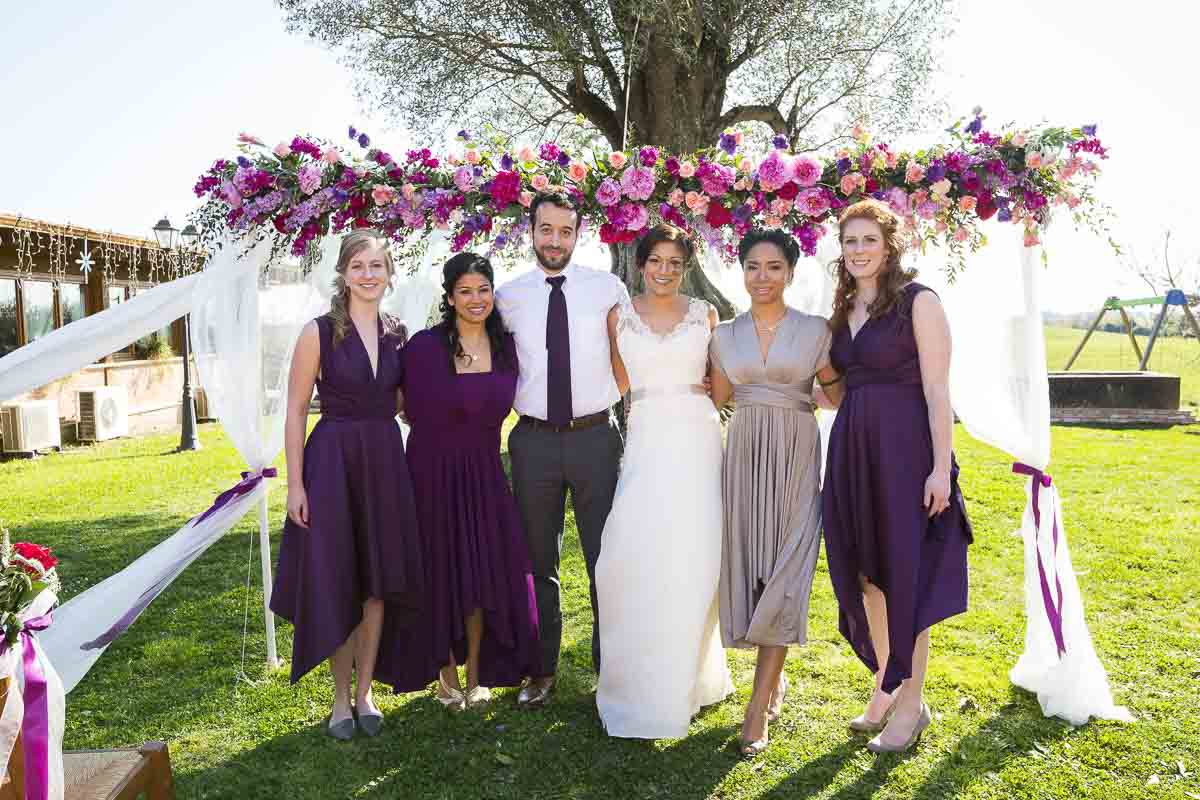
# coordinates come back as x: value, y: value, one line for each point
x: 673, y: 390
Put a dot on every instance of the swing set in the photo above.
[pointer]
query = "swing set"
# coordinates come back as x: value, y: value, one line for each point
x: 1175, y: 297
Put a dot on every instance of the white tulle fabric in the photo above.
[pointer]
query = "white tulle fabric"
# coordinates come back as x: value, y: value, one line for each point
x: 657, y: 576
x: 85, y: 341
x: 1001, y: 393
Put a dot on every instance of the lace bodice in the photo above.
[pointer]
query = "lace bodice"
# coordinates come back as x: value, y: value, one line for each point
x: 676, y: 358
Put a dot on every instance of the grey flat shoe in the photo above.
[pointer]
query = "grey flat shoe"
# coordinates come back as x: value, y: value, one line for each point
x: 342, y: 731
x: 370, y: 723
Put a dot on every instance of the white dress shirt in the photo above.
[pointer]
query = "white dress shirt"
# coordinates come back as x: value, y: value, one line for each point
x: 524, y: 303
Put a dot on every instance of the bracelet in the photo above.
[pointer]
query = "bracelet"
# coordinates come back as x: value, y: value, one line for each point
x: 830, y: 383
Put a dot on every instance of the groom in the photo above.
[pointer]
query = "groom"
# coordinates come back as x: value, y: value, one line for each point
x: 565, y: 438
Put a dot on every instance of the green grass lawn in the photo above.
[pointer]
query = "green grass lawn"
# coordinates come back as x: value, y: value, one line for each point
x: 1133, y: 515
x: 1112, y: 352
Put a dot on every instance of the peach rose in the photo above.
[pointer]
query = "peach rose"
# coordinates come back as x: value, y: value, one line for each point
x: 282, y: 150
x: 383, y: 195
x: 526, y: 154
x: 914, y: 173
x: 850, y: 183
x: 1033, y: 159
x: 331, y: 156
x: 577, y: 171
x: 1018, y: 140
x: 961, y: 234
x: 526, y: 199
x: 696, y: 202
x: 941, y: 188
x: 966, y: 204
x: 675, y: 197
x: 472, y: 156
x: 686, y: 169
x: 746, y: 165
x: 540, y: 182
x: 617, y: 159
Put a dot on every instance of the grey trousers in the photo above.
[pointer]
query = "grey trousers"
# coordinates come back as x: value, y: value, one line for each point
x: 544, y: 465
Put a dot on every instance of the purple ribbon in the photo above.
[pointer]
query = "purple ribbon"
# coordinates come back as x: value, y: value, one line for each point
x: 246, y: 484
x: 35, y: 726
x: 1041, y: 480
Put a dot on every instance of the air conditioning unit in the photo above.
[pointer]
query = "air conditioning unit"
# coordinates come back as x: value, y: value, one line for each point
x: 29, y: 426
x: 103, y: 413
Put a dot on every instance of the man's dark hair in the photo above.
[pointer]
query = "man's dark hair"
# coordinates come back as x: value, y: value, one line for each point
x: 560, y: 199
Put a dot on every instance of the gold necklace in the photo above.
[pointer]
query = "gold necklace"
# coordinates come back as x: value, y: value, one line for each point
x: 768, y: 328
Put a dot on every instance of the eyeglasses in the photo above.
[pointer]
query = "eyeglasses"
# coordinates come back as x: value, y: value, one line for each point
x: 674, y: 265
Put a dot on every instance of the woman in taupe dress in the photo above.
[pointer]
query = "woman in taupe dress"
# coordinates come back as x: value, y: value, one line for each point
x: 766, y: 360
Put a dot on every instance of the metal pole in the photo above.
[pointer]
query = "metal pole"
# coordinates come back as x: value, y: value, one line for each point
x: 187, y: 433
x: 264, y: 541
x: 1162, y: 315
x: 1086, y: 336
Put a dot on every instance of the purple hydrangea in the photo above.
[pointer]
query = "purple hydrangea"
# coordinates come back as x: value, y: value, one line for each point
x: 728, y: 143
x: 975, y: 126
x: 564, y: 160
x: 1089, y: 130
x: 935, y: 172
x: 243, y: 162
x: 364, y: 141
x: 608, y: 192
x: 780, y: 142
x: 506, y: 162
x: 353, y: 132
x: 463, y: 134
x: 843, y: 166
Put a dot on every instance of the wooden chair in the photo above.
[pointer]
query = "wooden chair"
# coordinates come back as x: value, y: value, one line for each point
x: 122, y: 774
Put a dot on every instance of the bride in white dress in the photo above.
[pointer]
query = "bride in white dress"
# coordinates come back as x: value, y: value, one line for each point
x: 660, y: 562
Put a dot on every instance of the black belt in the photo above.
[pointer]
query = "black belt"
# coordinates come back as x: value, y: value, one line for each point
x: 577, y: 424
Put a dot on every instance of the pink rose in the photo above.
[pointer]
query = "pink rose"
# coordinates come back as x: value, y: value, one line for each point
x: 686, y: 169
x: 282, y: 150
x: 540, y: 182
x: 919, y: 196
x: 455, y: 159
x: 577, y: 171
x: 806, y: 171
x: 407, y: 190
x: 695, y: 201
x: 737, y: 137
x: 472, y: 156
x: 780, y: 207
x: 892, y: 160
x: 675, y: 197
x: 331, y: 156
x: 246, y: 138
x: 638, y: 217
x: 850, y: 183
x: 526, y: 154
x: 914, y: 173
x: 617, y: 159
x: 743, y: 185
x: 961, y: 234
x: 966, y: 204
x: 383, y: 195
x: 746, y: 164
x: 813, y: 202
x: 526, y: 198
x: 1033, y: 159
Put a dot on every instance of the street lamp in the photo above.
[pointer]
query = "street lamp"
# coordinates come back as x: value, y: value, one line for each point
x: 165, y: 233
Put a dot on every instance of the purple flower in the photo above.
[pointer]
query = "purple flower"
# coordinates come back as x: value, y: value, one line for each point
x: 1089, y: 130
x: 780, y: 142
x: 463, y: 134
x: 935, y: 172
x: 636, y: 216
x: 1003, y: 215
x: 728, y: 143
x: 353, y: 133
x: 898, y: 200
x: 648, y: 156
x: 957, y: 161
x: 715, y: 179
x: 463, y: 178
x: 310, y: 178
x: 243, y: 162
x: 506, y: 163
x: 363, y: 140
x: 549, y: 152
x: 564, y: 160
x: 608, y: 192
x: 672, y: 166
x: 637, y: 183
x: 813, y: 202
x: 975, y: 126
x: 843, y: 166
x: 743, y: 213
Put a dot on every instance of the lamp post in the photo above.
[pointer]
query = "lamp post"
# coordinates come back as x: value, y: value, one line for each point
x: 165, y: 233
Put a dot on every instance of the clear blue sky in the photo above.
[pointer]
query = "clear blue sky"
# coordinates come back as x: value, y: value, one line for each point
x: 109, y: 114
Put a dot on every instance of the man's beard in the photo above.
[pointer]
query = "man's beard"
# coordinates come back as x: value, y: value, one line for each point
x: 556, y: 265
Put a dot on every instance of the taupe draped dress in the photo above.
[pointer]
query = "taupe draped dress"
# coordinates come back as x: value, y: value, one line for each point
x: 771, y: 479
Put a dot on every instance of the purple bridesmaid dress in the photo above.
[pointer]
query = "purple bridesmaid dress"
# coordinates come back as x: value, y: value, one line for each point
x: 880, y: 453
x: 362, y: 538
x: 474, y: 551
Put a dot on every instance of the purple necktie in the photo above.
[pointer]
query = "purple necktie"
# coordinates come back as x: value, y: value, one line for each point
x: 558, y: 356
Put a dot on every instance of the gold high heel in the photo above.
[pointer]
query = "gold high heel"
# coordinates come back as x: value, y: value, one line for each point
x: 924, y: 720
x: 453, y: 699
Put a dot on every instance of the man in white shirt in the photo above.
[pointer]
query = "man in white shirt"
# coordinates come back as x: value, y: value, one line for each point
x: 566, y: 436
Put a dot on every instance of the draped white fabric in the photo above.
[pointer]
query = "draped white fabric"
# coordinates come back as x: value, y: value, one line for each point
x: 85, y: 341
x: 1000, y: 392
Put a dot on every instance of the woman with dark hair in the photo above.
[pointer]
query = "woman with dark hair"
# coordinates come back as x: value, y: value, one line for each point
x: 896, y: 528
x: 766, y: 360
x: 656, y: 578
x: 459, y: 379
x: 350, y: 568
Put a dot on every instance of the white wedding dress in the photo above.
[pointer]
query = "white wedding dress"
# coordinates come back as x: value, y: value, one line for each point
x: 660, y: 561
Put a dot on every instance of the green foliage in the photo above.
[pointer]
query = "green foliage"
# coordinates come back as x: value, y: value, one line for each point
x: 1132, y: 504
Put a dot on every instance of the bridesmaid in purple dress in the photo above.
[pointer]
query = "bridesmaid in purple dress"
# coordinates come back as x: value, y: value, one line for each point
x: 350, y: 560
x: 896, y: 528
x: 459, y: 381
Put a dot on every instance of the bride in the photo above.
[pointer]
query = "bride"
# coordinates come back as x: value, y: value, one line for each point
x: 660, y: 564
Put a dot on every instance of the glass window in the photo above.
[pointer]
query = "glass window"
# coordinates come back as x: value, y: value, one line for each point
x: 71, y: 300
x: 8, y: 316
x: 116, y: 295
x: 38, y: 297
